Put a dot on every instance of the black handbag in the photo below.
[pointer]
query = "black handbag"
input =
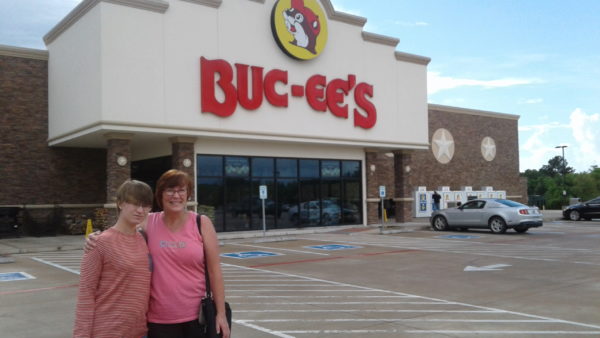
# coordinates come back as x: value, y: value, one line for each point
x: 208, y: 309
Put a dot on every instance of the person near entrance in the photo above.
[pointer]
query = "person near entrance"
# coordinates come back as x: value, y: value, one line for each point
x: 436, y: 200
x: 114, y: 286
x: 177, y: 249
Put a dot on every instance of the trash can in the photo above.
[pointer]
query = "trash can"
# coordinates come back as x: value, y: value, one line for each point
x: 9, y: 222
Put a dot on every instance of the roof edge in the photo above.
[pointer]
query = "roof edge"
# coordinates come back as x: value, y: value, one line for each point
x: 26, y: 53
x: 418, y: 59
x: 85, y: 6
x: 468, y: 111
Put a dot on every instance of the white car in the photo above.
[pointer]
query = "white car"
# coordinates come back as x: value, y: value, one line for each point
x: 496, y: 214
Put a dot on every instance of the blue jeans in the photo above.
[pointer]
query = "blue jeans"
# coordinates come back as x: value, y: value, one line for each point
x: 435, y: 206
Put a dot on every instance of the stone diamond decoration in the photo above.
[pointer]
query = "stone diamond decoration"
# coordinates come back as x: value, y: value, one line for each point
x: 442, y: 145
x: 488, y: 148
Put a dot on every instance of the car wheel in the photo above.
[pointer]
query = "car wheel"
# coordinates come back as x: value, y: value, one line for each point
x: 440, y: 223
x: 521, y: 229
x: 574, y: 215
x: 497, y: 225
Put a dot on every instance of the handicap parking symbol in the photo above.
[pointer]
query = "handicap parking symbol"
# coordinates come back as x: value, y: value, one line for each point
x: 332, y: 247
x: 249, y: 254
x: 458, y: 236
x: 12, y: 276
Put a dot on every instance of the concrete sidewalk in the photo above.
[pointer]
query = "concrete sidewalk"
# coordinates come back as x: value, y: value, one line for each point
x: 20, y: 245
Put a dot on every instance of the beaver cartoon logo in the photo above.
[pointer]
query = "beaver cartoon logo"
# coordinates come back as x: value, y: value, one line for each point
x: 299, y: 28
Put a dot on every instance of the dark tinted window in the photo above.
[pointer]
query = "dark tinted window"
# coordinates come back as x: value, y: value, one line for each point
x: 262, y: 167
x: 510, y: 203
x: 237, y: 166
x: 351, y: 169
x: 210, y: 165
x: 330, y: 169
x: 287, y: 167
x: 309, y: 168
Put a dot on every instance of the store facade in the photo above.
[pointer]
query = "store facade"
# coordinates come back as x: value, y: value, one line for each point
x: 289, y: 94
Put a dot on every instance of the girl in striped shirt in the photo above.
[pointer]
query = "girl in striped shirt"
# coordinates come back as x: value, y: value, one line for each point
x: 114, y: 286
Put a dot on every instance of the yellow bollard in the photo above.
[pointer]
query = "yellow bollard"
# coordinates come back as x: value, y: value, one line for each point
x: 88, y: 228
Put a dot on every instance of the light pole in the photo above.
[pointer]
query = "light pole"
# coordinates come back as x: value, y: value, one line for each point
x: 564, y: 167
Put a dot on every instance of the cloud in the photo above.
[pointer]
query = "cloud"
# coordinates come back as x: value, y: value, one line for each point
x: 437, y: 83
x: 538, y: 147
x: 585, y: 132
x: 580, y: 135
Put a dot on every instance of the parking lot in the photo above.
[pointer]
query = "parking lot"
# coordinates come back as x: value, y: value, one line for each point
x: 357, y: 283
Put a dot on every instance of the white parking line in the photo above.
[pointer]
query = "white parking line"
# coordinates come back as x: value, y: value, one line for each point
x: 56, y: 265
x: 437, y: 310
x: 281, y: 249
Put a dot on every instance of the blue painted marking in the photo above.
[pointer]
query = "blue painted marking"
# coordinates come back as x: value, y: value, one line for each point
x: 458, y: 236
x: 331, y: 247
x: 13, y: 276
x: 249, y: 254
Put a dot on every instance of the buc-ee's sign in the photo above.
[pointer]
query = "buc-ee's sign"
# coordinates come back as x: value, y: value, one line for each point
x: 320, y: 93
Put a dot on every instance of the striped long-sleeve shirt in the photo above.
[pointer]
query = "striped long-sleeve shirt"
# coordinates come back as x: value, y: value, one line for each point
x: 114, y: 287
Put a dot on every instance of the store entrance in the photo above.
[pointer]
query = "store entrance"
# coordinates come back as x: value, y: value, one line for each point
x: 150, y: 170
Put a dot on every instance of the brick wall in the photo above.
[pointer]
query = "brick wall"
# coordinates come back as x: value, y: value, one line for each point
x: 468, y: 167
x: 30, y: 171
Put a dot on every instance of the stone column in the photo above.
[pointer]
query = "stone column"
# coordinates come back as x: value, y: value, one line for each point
x: 403, y: 199
x: 118, y: 169
x: 183, y: 157
x: 380, y: 171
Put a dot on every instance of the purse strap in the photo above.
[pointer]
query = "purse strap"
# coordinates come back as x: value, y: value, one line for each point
x: 206, y: 279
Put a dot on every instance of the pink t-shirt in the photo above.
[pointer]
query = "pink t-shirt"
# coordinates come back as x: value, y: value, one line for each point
x: 178, y: 273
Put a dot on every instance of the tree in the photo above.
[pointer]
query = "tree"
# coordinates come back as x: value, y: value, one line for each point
x: 556, y: 166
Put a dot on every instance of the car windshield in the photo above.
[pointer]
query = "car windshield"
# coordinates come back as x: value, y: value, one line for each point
x: 510, y: 203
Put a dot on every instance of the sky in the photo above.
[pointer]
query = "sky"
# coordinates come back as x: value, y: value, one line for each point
x: 539, y: 59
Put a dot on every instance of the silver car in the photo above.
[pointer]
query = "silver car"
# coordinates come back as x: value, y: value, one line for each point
x: 496, y: 214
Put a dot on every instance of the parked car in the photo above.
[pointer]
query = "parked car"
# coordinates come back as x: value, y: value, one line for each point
x: 496, y: 214
x: 586, y: 210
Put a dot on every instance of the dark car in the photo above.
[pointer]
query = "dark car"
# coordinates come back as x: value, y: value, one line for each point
x: 586, y: 210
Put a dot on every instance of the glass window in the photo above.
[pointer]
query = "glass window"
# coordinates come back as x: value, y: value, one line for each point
x: 351, y: 169
x: 210, y: 199
x: 301, y: 192
x: 331, y: 195
x: 262, y: 167
x: 309, y: 168
x: 352, y: 206
x: 210, y: 165
x: 330, y: 169
x: 287, y: 202
x: 287, y: 167
x: 237, y: 166
x: 310, y: 206
x: 237, y: 203
x: 510, y: 203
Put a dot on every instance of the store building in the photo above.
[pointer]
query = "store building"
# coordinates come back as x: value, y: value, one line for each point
x: 290, y: 94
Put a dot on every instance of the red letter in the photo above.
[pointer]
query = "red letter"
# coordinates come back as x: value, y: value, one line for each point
x: 242, y: 86
x: 315, y: 93
x: 272, y: 77
x: 209, y: 102
x: 360, y: 93
x: 335, y: 97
